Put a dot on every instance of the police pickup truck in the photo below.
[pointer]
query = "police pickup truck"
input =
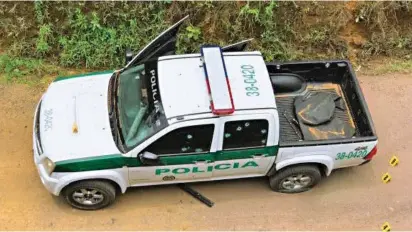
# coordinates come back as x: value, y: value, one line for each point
x: 222, y: 113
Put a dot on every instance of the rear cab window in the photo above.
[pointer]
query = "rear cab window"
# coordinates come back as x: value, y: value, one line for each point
x: 245, y: 134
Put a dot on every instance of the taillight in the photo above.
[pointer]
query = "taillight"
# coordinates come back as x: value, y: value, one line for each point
x: 371, y: 153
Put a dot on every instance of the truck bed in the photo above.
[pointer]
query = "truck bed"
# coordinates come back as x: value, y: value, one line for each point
x: 284, y: 105
x: 336, y: 78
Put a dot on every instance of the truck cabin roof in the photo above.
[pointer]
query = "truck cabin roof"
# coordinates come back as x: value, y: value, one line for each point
x: 183, y: 83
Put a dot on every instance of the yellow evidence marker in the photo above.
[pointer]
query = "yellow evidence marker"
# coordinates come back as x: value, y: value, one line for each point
x: 394, y: 161
x: 386, y: 227
x: 386, y: 178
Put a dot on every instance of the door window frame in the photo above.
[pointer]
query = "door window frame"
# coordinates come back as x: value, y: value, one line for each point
x: 140, y: 148
x: 271, y: 138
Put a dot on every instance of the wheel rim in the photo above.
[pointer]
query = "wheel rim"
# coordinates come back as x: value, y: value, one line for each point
x: 87, y: 196
x: 296, y: 182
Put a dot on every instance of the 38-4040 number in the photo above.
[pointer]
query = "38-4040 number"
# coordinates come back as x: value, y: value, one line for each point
x: 352, y: 154
x: 248, y: 73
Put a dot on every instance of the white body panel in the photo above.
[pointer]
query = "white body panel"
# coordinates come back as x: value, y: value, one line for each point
x: 323, y: 154
x: 55, y: 182
x: 81, y: 101
x: 263, y: 162
x: 140, y: 176
x: 183, y: 85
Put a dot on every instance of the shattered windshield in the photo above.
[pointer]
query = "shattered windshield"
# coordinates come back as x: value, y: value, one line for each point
x: 140, y: 116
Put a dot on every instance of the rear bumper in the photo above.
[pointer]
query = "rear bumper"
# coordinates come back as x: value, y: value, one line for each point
x: 365, y: 162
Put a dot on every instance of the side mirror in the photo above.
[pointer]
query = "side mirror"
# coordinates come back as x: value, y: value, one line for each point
x: 149, y: 158
x: 128, y: 55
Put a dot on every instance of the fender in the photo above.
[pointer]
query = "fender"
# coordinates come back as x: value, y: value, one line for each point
x: 119, y: 176
x: 321, y: 159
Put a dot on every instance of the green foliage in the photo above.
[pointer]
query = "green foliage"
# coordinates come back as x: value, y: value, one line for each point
x: 96, y: 34
x: 14, y: 68
x: 193, y: 33
x: 247, y: 11
x: 97, y: 40
x: 39, y: 9
x: 388, y: 25
x: 42, y: 43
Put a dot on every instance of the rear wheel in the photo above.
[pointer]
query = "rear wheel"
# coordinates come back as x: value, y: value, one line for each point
x: 90, y: 195
x: 295, y: 179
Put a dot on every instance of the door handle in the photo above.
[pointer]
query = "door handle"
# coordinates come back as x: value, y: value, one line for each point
x: 258, y: 156
x: 202, y: 162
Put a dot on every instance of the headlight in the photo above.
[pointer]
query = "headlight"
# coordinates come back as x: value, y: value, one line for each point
x: 48, y: 165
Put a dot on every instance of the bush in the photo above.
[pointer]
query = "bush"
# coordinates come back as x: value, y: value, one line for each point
x: 96, y: 34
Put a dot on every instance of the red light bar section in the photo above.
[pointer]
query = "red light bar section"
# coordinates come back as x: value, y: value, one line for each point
x: 218, y: 85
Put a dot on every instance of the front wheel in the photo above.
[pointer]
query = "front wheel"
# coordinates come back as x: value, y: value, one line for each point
x: 295, y: 179
x: 90, y: 195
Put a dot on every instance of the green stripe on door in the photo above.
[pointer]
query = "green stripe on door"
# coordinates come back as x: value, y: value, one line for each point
x: 186, y: 159
x: 117, y: 160
x: 246, y: 153
x: 96, y: 163
x: 83, y: 75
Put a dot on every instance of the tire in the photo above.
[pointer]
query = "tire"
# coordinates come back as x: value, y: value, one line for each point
x: 295, y: 179
x: 94, y: 194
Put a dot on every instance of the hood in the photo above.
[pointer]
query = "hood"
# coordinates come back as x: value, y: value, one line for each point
x: 82, y: 102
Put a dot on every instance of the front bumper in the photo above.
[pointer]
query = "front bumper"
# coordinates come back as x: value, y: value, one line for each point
x: 48, y: 182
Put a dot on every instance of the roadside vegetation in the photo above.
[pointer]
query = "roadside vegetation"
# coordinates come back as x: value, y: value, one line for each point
x: 43, y: 38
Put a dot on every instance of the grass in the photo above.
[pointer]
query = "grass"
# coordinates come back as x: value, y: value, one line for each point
x: 41, y: 36
x: 27, y: 70
x: 384, y: 66
x: 34, y: 71
x: 94, y: 35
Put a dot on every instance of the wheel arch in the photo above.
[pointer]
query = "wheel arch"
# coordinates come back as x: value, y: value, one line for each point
x: 322, y: 167
x: 324, y: 163
x: 116, y: 177
x: 112, y: 182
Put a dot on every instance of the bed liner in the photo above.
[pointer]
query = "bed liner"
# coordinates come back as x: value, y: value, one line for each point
x: 336, y: 77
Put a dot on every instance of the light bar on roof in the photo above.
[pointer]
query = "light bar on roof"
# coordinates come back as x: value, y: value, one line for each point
x: 221, y: 100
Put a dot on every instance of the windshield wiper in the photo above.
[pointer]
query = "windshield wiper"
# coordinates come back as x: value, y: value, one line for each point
x: 113, y: 111
x: 111, y: 93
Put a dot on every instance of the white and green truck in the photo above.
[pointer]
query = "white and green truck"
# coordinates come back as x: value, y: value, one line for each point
x: 223, y: 113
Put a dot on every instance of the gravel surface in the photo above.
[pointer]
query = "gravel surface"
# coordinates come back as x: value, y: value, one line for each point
x: 350, y: 199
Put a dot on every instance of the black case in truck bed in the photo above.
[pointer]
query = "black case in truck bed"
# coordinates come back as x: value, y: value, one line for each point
x: 334, y: 77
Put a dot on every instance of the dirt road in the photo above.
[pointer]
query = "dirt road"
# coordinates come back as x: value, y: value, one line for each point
x: 351, y: 199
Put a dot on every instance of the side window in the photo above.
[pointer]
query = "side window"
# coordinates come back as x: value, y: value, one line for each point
x: 244, y: 134
x: 192, y: 139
